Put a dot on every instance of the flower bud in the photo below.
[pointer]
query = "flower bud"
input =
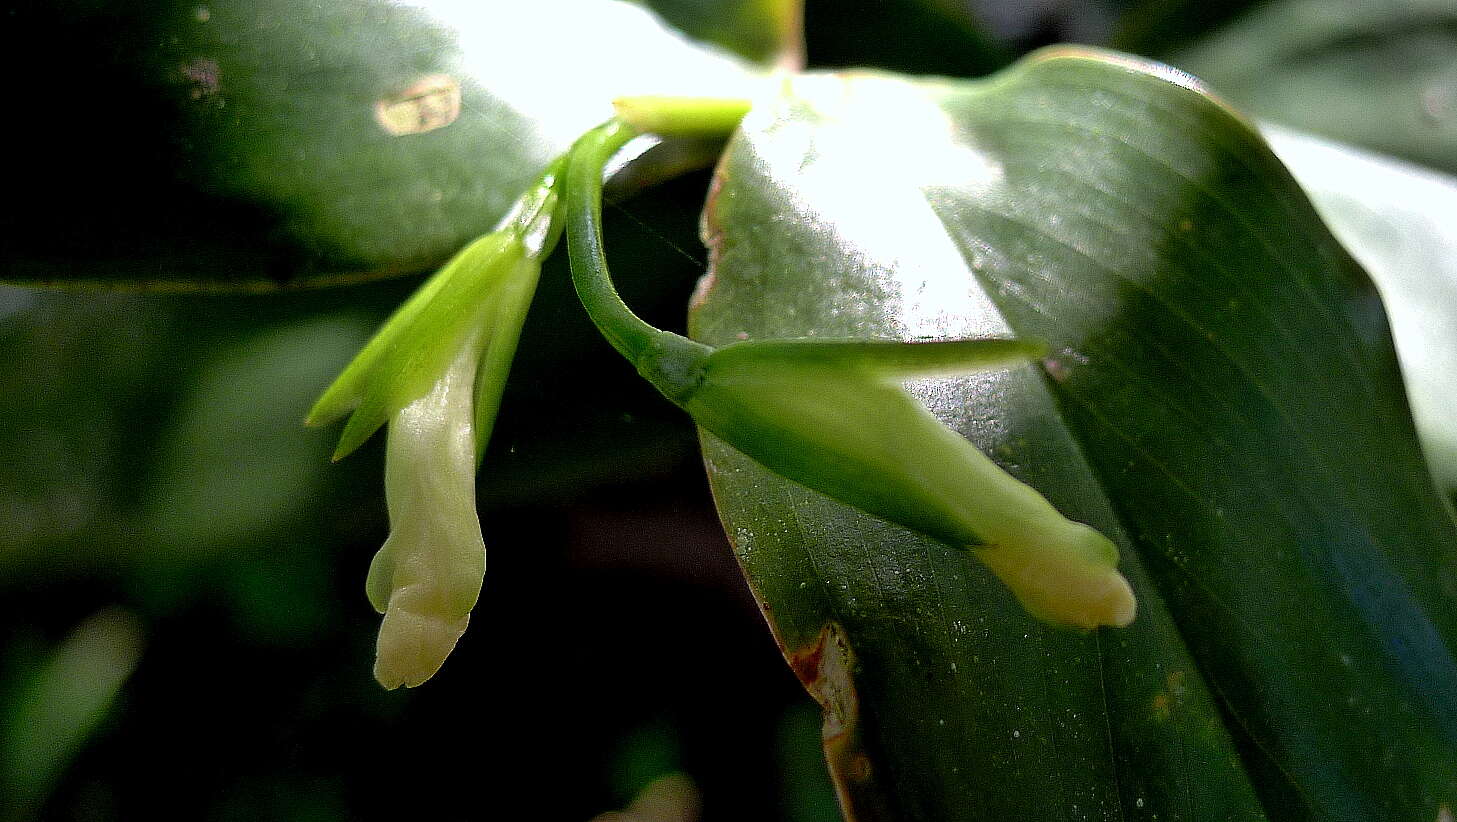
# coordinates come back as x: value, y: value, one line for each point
x: 832, y: 415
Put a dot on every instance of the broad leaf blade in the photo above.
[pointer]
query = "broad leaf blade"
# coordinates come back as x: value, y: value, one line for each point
x: 257, y: 145
x: 1222, y: 400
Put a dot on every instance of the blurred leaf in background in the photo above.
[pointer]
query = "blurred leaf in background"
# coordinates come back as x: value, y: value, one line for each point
x: 60, y: 703
x: 1381, y: 75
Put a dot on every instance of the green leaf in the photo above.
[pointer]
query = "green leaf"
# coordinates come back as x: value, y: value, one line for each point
x: 1397, y: 220
x: 281, y: 143
x: 1381, y: 75
x: 1222, y: 400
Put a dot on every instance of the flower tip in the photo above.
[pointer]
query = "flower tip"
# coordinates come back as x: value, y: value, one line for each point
x: 1072, y: 581
x: 1096, y: 601
x: 412, y: 647
x: 1119, y: 606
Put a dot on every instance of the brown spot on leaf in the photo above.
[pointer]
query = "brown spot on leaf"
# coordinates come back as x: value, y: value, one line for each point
x: 827, y: 670
x: 710, y: 231
x: 203, y: 77
x: 1162, y: 708
x: 700, y: 292
x: 427, y: 104
x: 1175, y: 681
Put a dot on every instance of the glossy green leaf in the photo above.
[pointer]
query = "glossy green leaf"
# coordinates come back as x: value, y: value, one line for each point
x: 256, y: 145
x: 1222, y: 401
x: 1397, y: 220
x: 1381, y: 75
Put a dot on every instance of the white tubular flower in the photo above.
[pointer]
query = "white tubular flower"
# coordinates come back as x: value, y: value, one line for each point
x: 428, y: 575
x: 435, y: 372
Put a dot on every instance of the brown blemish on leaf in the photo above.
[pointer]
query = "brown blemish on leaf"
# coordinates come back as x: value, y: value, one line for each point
x: 1444, y: 814
x: 1166, y: 701
x: 203, y: 75
x: 710, y: 231
x: 1175, y: 681
x: 1162, y: 707
x: 429, y: 103
x: 827, y: 669
x: 700, y: 291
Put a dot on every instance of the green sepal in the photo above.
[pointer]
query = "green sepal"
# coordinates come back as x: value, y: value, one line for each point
x: 415, y: 345
x: 509, y: 310
x: 890, y: 358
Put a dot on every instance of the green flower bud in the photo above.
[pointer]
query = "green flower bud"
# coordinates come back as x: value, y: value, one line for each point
x: 833, y: 417
x: 435, y: 371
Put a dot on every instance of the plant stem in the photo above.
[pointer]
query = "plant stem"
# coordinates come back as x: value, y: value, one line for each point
x: 672, y: 363
x: 683, y: 116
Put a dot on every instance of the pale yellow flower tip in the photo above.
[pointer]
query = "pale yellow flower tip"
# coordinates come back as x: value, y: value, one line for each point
x: 1066, y: 582
x: 428, y: 575
x: 412, y: 646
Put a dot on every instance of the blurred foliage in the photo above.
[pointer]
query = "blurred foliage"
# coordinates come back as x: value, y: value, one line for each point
x: 1381, y: 75
x: 153, y: 465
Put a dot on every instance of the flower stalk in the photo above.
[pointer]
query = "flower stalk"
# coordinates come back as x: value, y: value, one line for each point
x: 832, y: 415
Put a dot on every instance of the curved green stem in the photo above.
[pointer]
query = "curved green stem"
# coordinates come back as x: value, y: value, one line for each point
x: 672, y: 363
